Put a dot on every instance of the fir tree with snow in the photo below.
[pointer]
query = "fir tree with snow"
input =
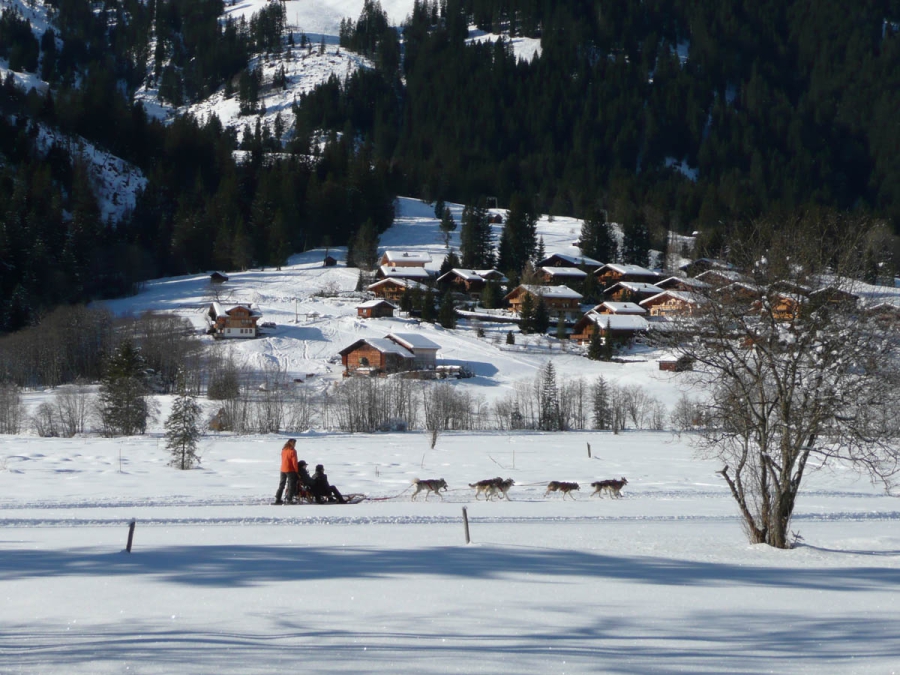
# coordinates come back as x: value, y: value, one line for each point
x: 182, y: 430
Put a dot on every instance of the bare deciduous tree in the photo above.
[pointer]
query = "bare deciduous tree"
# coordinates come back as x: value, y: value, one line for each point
x: 793, y: 370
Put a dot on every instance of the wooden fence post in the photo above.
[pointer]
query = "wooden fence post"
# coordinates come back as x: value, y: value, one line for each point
x: 466, y: 523
x: 589, y: 450
x: 130, y: 535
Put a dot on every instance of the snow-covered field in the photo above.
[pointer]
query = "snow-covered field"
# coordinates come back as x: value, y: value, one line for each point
x: 220, y: 581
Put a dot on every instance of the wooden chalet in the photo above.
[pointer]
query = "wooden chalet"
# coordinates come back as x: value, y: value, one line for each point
x: 238, y: 322
x: 561, y: 301
x: 470, y: 282
x: 701, y: 265
x: 620, y: 308
x: 885, y: 313
x: 833, y: 296
x: 721, y: 277
x: 329, y: 261
x: 621, y: 326
x: 419, y: 274
x: 630, y: 291
x: 375, y: 355
x: 393, y: 289
x: 404, y: 259
x: 681, y: 284
x: 613, y: 273
x: 562, y: 275
x: 376, y: 309
x: 218, y: 278
x: 424, y: 351
x: 562, y: 260
x: 462, y: 281
x: 785, y: 307
x: 671, y: 303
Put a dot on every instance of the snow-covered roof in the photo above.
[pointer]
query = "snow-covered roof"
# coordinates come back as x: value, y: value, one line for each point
x: 414, y: 341
x: 467, y: 275
x: 407, y: 257
x: 620, y: 308
x: 563, y: 292
x: 375, y: 303
x: 404, y: 272
x: 574, y: 260
x: 408, y: 284
x: 683, y: 296
x: 730, y: 275
x: 383, y: 345
x: 617, y: 321
x: 492, y: 274
x: 671, y: 282
x: 634, y: 287
x: 564, y: 272
x: 629, y: 269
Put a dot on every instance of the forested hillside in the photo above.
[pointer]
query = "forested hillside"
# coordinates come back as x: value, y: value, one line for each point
x: 662, y: 115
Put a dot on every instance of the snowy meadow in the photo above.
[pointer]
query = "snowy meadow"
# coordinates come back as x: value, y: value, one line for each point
x: 220, y: 581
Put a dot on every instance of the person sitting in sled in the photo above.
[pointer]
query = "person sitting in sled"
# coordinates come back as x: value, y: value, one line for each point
x: 289, y: 472
x: 306, y: 481
x: 321, y: 490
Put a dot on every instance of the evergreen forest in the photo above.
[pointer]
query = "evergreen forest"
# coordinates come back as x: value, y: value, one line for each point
x: 660, y: 115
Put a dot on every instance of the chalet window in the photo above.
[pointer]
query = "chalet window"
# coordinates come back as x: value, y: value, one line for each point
x: 363, y: 361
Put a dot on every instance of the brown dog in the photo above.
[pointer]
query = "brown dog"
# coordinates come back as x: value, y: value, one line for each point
x: 561, y: 486
x: 613, y: 487
x: 491, y: 487
x: 434, y: 485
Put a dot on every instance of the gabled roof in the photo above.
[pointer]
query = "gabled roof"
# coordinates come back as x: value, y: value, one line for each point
x: 620, y: 308
x: 407, y: 256
x: 634, y: 287
x: 683, y: 296
x: 408, y: 284
x: 573, y: 260
x: 617, y: 321
x: 560, y: 292
x: 413, y: 341
x: 404, y: 272
x: 726, y: 274
x: 564, y: 272
x: 383, y: 345
x: 466, y: 275
x: 713, y: 263
x: 376, y: 303
x: 635, y: 270
x: 492, y: 274
x: 671, y: 282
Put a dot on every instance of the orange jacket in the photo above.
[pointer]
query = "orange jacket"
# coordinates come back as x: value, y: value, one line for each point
x: 288, y: 459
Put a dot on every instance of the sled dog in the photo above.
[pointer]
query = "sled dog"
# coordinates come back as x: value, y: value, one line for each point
x: 492, y: 487
x: 434, y: 485
x: 611, y: 487
x: 561, y: 486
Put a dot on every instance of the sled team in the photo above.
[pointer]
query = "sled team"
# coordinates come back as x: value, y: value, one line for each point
x: 300, y: 485
x: 316, y: 488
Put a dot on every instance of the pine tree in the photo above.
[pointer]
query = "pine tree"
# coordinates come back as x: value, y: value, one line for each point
x: 122, y: 403
x: 601, y: 404
x: 526, y: 314
x: 451, y: 262
x: 448, y: 225
x: 635, y: 244
x: 548, y: 396
x: 447, y: 311
x: 475, y: 239
x: 182, y: 431
x: 428, y: 307
x: 595, y: 346
x: 541, y: 322
x: 597, y: 240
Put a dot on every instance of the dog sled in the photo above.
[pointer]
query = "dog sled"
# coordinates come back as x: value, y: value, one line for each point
x: 306, y: 497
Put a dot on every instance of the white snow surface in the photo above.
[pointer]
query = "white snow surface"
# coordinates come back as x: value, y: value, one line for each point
x: 661, y: 581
